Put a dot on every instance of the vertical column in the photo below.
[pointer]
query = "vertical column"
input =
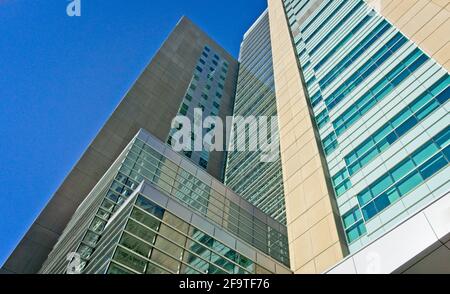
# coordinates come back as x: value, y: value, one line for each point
x: 316, y: 241
x: 425, y: 22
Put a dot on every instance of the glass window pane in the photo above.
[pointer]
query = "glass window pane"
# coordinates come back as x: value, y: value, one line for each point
x: 169, y: 248
x: 140, y: 231
x: 196, y: 262
x: 420, y: 102
x: 349, y: 219
x: 247, y: 263
x: 150, y: 207
x: 399, y: 119
x: 115, y: 269
x: 425, y: 153
x: 364, y: 148
x: 381, y: 185
x: 145, y: 219
x: 427, y: 110
x: 98, y: 225
x: 85, y: 251
x: 223, y: 263
x: 393, y: 195
x: 153, y: 269
x: 135, y: 245
x: 91, y: 238
x: 383, y: 133
x: 369, y: 211
x: 131, y: 260
x: 172, y: 235
x: 382, y: 202
x: 352, y: 235
x: 443, y: 138
x: 364, y: 197
x: 406, y: 126
x: 165, y: 261
x: 176, y: 222
x: 369, y: 156
x: 403, y: 169
x: 433, y: 166
x: 408, y: 184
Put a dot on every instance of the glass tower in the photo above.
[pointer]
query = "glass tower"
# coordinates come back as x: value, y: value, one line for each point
x: 380, y: 107
x: 261, y: 183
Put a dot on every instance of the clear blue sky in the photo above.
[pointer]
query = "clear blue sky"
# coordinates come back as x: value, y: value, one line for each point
x: 61, y: 78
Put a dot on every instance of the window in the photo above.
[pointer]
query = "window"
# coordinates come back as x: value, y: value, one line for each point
x: 403, y: 178
x: 184, y: 107
x: 114, y: 269
x: 425, y: 153
x: 173, y: 235
x: 91, y: 238
x: 130, y: 260
x: 351, y: 217
x: 150, y: 207
x: 203, y: 163
x: 381, y: 185
x: 356, y: 231
x: 409, y: 183
x: 169, y: 247
x: 85, y: 251
x: 153, y: 269
x: 140, y: 231
x: 98, y: 225
x: 433, y: 166
x: 135, y: 245
x: 369, y: 211
x: 145, y: 219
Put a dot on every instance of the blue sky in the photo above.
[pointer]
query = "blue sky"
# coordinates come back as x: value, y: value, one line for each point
x: 61, y: 77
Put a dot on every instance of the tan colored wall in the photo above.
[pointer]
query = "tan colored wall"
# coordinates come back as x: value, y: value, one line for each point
x: 426, y: 22
x: 314, y: 238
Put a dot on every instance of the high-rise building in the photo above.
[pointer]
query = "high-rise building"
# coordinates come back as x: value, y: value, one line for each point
x: 155, y: 211
x: 364, y: 131
x: 361, y: 183
x: 188, y: 66
x: 259, y: 182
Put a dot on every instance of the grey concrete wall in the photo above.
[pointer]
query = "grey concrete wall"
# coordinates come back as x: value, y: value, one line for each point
x: 150, y: 104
